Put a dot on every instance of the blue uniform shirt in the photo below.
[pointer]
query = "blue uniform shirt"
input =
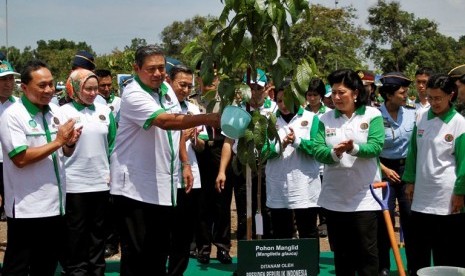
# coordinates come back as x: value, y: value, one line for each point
x: 397, y: 133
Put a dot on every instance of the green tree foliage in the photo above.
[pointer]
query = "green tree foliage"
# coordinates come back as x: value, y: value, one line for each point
x: 177, y: 35
x: 399, y: 40
x: 59, y: 54
x: 136, y: 43
x: 329, y: 36
x: 248, y: 36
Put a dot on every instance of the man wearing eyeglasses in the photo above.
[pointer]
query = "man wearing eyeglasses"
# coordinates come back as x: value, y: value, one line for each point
x: 148, y: 162
x: 186, y: 211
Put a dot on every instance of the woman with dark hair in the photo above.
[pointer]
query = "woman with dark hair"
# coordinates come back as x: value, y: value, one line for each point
x: 435, y: 177
x: 349, y: 141
x: 292, y: 179
x: 315, y: 93
x: 398, y: 120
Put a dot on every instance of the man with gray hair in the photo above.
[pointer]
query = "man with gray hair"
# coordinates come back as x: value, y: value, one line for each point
x: 148, y: 161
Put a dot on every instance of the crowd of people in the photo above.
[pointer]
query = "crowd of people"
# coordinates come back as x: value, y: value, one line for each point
x: 150, y: 171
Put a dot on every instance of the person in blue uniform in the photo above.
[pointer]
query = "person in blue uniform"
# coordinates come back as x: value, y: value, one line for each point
x: 398, y: 120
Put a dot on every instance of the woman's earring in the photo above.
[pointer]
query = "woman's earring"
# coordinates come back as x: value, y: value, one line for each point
x: 355, y: 100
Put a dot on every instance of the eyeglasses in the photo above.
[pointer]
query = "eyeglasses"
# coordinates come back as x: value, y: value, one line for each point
x: 437, y: 99
x: 185, y: 85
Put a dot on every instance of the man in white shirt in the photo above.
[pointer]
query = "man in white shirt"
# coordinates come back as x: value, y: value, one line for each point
x: 421, y: 78
x: 35, y: 139
x: 148, y: 162
x: 7, y: 85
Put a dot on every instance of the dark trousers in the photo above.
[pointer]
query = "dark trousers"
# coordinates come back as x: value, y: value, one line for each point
x: 34, y: 245
x: 214, y: 208
x: 240, y: 192
x: 442, y: 236
x: 305, y: 219
x: 397, y: 194
x: 85, y: 246
x: 145, y: 237
x: 182, y: 232
x: 110, y: 225
x: 354, y: 236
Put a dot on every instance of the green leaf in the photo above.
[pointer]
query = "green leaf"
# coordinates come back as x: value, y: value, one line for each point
x: 289, y: 98
x: 271, y: 47
x: 303, y: 75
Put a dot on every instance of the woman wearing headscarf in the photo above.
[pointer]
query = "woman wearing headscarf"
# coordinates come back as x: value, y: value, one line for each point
x: 349, y: 141
x: 87, y: 176
x: 435, y: 177
x: 398, y: 120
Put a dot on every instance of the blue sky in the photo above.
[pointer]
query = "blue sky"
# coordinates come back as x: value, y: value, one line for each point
x: 110, y: 24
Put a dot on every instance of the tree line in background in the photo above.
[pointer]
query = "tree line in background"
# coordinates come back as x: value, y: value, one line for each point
x: 396, y: 41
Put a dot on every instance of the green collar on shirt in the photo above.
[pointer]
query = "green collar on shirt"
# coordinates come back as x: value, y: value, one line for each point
x: 445, y: 117
x: 111, y: 98
x: 183, y: 104
x: 359, y: 111
x: 299, y: 112
x: 163, y: 88
x: 322, y: 109
x: 32, y: 108
x: 80, y: 107
x: 267, y: 103
x: 12, y: 99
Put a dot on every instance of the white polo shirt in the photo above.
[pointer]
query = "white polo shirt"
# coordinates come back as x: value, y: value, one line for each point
x: 346, y: 181
x: 190, y: 108
x: 145, y: 163
x: 3, y: 106
x: 88, y: 169
x: 293, y: 179
x: 436, y: 161
x: 36, y: 190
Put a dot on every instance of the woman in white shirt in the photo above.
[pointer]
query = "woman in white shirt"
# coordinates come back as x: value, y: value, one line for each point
x: 87, y: 175
x: 435, y: 177
x: 349, y: 141
x: 292, y: 179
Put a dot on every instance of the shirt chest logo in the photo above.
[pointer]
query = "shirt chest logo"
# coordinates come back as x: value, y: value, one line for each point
x: 420, y: 132
x: 449, y: 137
x: 330, y: 132
x: 363, y: 126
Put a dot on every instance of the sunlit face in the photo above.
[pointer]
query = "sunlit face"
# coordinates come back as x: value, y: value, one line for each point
x: 280, y: 102
x: 104, y: 86
x: 420, y: 84
x: 182, y: 85
x: 7, y: 84
x: 89, y: 91
x: 399, y: 98
x: 439, y: 100
x: 41, y: 88
x: 152, y: 72
x: 313, y: 98
x: 460, y: 91
x: 344, y: 98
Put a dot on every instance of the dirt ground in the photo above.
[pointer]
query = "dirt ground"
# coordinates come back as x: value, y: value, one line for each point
x: 324, y: 245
